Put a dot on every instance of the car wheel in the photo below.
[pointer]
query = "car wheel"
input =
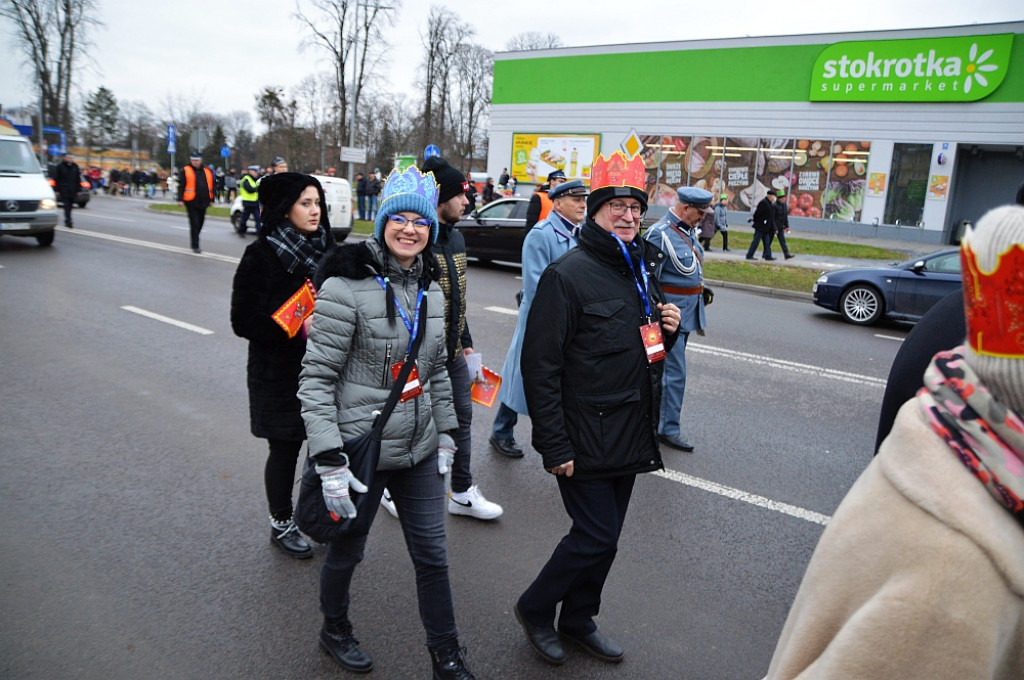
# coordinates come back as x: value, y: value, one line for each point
x: 236, y: 217
x: 81, y: 204
x: 45, y: 239
x: 861, y: 305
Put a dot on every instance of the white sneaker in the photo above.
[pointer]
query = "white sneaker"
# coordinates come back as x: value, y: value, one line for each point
x: 472, y: 503
x: 389, y: 504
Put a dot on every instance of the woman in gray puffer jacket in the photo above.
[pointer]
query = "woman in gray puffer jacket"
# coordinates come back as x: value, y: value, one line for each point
x: 367, y: 311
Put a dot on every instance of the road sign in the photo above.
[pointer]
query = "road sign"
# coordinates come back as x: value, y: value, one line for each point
x: 225, y: 151
x: 199, y: 139
x: 55, y: 150
x: 431, y: 150
x: 352, y: 154
x: 172, y: 138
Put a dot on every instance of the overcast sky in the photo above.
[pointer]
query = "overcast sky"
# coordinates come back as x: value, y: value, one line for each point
x: 223, y: 53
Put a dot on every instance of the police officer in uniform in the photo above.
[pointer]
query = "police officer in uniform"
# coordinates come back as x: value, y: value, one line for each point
x: 248, y: 190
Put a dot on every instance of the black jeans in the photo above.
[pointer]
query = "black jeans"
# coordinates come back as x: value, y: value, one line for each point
x: 279, y: 476
x: 781, y: 233
x: 249, y: 208
x: 576, y: 572
x: 458, y: 373
x: 68, y: 199
x: 418, y: 493
x: 196, y: 217
x: 760, y: 237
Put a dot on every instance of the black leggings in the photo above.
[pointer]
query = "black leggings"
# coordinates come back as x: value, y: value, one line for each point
x: 279, y: 477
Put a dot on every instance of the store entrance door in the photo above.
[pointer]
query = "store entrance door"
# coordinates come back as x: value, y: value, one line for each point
x: 986, y: 177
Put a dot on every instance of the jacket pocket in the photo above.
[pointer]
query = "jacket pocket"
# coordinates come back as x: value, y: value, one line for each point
x: 603, y: 327
x: 607, y: 428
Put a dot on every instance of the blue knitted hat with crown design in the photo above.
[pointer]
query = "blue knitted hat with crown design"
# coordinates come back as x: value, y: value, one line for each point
x: 409, y: 191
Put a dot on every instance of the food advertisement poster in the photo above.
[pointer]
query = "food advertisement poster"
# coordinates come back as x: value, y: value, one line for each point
x: 651, y: 153
x: 937, y: 186
x: 665, y: 161
x: 740, y: 170
x: 810, y: 170
x: 775, y: 166
x: 876, y: 183
x: 536, y: 155
x: 843, y: 198
x: 703, y: 164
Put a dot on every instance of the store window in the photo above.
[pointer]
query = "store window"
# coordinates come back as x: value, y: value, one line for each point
x: 909, y: 184
x: 843, y: 198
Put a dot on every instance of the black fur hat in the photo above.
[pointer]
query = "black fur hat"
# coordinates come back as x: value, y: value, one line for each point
x: 278, y: 194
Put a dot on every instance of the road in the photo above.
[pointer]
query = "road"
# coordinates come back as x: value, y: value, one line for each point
x: 134, y: 540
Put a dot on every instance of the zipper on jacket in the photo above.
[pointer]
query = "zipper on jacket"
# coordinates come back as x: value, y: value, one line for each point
x: 387, y: 366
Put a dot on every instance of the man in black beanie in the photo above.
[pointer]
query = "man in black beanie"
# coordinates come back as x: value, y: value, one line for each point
x: 450, y: 250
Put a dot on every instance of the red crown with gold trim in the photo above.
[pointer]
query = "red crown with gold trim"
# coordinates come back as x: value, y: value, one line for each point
x: 994, y: 303
x: 618, y: 171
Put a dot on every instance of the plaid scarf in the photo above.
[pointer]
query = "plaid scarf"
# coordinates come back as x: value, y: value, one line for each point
x: 298, y: 253
x: 984, y: 434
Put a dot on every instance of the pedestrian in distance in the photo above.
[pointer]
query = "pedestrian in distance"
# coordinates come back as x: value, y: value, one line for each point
x: 920, y: 571
x: 68, y: 178
x: 722, y: 220
x: 195, y: 192
x: 781, y: 215
x: 706, y: 228
x: 764, y: 226
x: 540, y: 201
x: 488, y: 193
x: 279, y: 165
x: 293, y: 237
x: 681, y: 276
x: 248, y: 190
x: 373, y: 298
x: 361, y: 195
x: 551, y: 238
x: 591, y: 361
x: 373, y: 189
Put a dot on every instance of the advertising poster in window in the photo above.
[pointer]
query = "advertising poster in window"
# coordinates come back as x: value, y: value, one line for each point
x: 811, y: 174
x: 703, y: 164
x: 536, y: 155
x: 651, y: 153
x: 672, y: 172
x: 937, y: 186
x: 843, y: 198
x: 739, y: 178
x: 775, y: 165
x: 876, y: 183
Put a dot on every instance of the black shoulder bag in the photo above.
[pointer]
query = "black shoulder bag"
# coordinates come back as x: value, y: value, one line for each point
x: 311, y: 514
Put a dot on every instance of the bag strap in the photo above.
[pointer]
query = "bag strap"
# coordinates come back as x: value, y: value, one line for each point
x: 403, y: 375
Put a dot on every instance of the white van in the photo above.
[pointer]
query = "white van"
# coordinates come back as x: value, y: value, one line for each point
x: 338, y: 193
x: 28, y: 206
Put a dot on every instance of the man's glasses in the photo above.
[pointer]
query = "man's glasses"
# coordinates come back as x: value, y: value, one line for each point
x: 422, y: 222
x: 618, y: 209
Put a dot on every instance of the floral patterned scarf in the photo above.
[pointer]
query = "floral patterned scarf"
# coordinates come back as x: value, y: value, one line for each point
x: 986, y: 435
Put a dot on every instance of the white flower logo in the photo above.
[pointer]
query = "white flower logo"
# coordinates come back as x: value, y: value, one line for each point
x: 978, y: 64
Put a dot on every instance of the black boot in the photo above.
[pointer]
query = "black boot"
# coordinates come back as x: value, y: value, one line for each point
x: 449, y: 662
x: 286, y: 537
x: 336, y: 639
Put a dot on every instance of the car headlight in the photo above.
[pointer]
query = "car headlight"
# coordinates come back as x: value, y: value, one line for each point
x: 47, y: 204
x: 822, y: 279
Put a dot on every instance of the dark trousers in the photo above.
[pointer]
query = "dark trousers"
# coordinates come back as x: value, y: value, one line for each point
x: 279, y: 476
x: 418, y: 493
x: 68, y: 199
x: 361, y: 201
x: 576, y: 572
x: 458, y: 373
x: 196, y: 217
x: 249, y: 208
x: 781, y: 233
x: 504, y: 420
x: 760, y: 237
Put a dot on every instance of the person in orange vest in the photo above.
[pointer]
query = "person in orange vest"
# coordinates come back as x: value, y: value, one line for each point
x: 195, y: 192
x: 540, y: 202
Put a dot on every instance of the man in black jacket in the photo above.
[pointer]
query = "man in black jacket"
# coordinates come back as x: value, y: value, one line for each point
x: 780, y: 211
x: 764, y: 226
x: 68, y: 178
x: 592, y: 361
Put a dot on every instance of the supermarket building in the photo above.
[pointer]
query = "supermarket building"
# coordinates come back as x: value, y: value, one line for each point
x: 892, y: 134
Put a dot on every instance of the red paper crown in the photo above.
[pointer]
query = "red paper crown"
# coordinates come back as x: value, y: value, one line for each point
x: 994, y: 303
x: 618, y: 171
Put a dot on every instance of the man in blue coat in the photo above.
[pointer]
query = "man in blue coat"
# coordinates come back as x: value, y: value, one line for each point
x: 546, y: 242
x: 682, y: 280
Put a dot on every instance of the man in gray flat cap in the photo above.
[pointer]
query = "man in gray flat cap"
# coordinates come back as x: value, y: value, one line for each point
x: 682, y: 279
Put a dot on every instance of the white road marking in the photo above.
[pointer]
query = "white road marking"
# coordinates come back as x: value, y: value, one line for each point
x: 167, y: 319
x: 737, y: 494
x: 503, y: 310
x: 150, y: 244
x: 93, y: 213
x: 773, y: 362
x: 888, y: 337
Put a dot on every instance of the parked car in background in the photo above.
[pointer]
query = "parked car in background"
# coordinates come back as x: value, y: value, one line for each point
x: 81, y: 198
x: 902, y: 291
x: 338, y: 194
x: 27, y: 204
x: 496, y: 230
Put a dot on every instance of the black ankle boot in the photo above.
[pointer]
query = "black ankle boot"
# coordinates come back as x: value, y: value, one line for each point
x: 337, y: 640
x: 449, y: 663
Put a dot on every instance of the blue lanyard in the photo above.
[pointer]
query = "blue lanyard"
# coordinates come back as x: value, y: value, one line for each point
x: 640, y: 287
x: 414, y: 326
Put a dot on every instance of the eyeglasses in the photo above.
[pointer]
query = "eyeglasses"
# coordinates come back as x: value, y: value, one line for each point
x: 422, y: 222
x: 618, y: 209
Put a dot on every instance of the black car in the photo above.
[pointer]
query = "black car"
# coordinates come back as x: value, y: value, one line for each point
x: 903, y: 291
x: 496, y: 231
x: 81, y: 198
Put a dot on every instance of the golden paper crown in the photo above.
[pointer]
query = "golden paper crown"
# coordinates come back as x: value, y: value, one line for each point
x: 618, y: 171
x: 994, y: 303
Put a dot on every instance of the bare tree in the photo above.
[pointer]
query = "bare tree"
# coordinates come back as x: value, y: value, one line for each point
x: 445, y: 36
x: 53, y: 35
x: 533, y: 40
x: 473, y: 76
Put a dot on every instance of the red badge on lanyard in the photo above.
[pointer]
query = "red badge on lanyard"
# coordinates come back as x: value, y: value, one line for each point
x: 412, y: 388
x: 654, y: 342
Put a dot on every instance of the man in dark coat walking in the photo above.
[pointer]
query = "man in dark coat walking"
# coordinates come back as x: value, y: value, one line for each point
x: 68, y: 178
x: 764, y: 226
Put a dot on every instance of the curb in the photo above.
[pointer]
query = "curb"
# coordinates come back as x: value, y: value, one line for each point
x: 763, y: 291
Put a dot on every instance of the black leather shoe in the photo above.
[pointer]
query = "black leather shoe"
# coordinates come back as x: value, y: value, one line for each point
x: 449, y: 663
x: 506, y: 447
x: 597, y: 645
x: 789, y: 256
x: 287, y: 539
x: 674, y: 441
x: 769, y: 258
x: 197, y: 251
x: 337, y: 640
x: 751, y: 257
x: 543, y: 639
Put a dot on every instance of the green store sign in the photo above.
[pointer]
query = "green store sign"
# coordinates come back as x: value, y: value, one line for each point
x: 961, y: 69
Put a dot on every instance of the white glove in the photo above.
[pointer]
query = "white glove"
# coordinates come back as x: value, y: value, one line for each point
x: 445, y: 453
x: 336, y: 482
